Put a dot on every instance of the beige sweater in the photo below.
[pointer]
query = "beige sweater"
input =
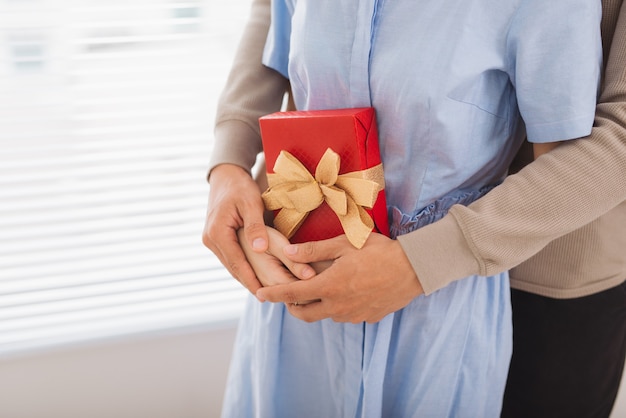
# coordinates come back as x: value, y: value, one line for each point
x: 563, y: 216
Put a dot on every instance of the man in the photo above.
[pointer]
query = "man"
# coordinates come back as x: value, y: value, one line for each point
x: 563, y: 217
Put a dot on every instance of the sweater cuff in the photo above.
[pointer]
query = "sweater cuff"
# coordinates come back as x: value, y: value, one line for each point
x: 235, y: 143
x: 439, y: 254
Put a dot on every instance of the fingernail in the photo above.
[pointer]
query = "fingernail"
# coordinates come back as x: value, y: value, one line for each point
x: 260, y: 297
x: 308, y: 272
x: 291, y: 249
x: 258, y: 244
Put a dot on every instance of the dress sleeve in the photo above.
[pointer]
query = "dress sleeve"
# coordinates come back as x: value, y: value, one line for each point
x: 276, y: 53
x: 554, y: 58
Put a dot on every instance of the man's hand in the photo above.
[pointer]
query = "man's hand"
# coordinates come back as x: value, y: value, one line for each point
x: 234, y: 203
x: 360, y: 285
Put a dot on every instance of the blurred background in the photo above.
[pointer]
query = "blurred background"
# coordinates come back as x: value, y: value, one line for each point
x: 109, y: 304
x: 110, y: 307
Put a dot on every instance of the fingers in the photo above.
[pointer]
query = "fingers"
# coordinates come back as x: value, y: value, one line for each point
x: 255, y: 231
x: 241, y: 270
x: 291, y: 293
x: 232, y: 257
x: 232, y: 189
x: 315, y: 251
x: 361, y: 285
x: 234, y: 201
x: 268, y: 269
x: 274, y: 297
x: 277, y: 242
x: 309, y: 312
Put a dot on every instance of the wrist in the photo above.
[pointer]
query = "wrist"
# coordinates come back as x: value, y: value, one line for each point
x: 227, y: 171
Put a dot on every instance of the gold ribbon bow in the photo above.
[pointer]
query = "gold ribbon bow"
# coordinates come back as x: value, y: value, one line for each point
x: 296, y: 192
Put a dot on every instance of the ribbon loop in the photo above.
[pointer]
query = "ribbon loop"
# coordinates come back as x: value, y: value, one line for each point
x: 294, y: 191
x: 327, y: 169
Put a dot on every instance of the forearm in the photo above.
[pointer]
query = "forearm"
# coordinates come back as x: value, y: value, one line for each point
x: 543, y: 148
x: 551, y: 197
x: 561, y: 191
x: 252, y: 90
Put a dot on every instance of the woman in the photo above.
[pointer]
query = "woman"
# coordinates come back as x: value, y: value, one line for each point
x: 449, y: 82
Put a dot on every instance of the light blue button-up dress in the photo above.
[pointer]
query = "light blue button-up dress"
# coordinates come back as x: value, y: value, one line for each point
x: 456, y: 85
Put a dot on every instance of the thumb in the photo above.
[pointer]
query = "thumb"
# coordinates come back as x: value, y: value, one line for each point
x: 315, y: 251
x: 255, y: 232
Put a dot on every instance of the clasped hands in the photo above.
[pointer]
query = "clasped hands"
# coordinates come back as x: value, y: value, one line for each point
x: 332, y: 279
x: 315, y: 280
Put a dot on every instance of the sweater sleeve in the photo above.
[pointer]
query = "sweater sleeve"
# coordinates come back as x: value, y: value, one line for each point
x: 252, y: 90
x: 559, y: 192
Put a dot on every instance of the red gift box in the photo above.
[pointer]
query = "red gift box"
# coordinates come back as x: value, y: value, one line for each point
x: 304, y: 137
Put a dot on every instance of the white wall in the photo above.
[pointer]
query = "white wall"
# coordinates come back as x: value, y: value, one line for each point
x: 619, y: 410
x: 171, y: 376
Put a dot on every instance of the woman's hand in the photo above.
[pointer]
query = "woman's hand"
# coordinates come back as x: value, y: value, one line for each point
x: 272, y: 267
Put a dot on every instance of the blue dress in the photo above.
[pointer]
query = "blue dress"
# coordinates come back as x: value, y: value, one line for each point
x: 456, y: 84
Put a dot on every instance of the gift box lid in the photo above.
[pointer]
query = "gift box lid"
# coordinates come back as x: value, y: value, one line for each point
x: 349, y: 132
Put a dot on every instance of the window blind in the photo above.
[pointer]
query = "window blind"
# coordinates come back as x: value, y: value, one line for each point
x: 106, y: 112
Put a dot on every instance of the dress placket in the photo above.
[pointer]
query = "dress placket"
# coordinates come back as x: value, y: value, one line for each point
x: 375, y: 337
x: 361, y: 48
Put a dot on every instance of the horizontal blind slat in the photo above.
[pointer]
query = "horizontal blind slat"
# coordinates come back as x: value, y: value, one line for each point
x: 126, y: 303
x: 121, y: 292
x: 115, y: 325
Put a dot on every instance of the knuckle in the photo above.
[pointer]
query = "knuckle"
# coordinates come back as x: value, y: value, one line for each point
x: 214, y: 232
x: 308, y: 248
x: 290, y: 297
x: 254, y: 227
x: 207, y: 241
x: 233, y: 268
x: 210, y: 236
